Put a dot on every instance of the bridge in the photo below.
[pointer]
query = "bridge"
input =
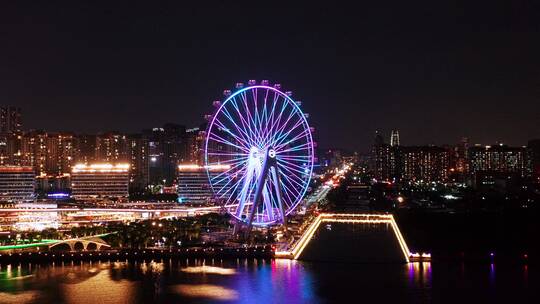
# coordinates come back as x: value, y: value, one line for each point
x: 81, y: 244
x: 294, y: 250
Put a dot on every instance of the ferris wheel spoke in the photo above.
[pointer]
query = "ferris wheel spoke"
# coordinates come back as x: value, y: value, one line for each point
x: 305, y: 146
x: 285, y: 138
x: 225, y: 187
x: 245, y: 124
x: 278, y: 134
x: 289, y: 195
x: 292, y: 164
x: 294, y: 157
x: 241, y: 140
x: 293, y: 171
x: 228, y: 154
x: 217, y: 138
x: 301, y: 147
x: 283, y: 135
x: 239, y: 164
x: 231, y: 189
x: 292, y: 190
x: 256, y: 122
x: 245, y: 129
x: 276, y: 121
x: 264, y: 117
x: 238, y: 140
x: 250, y: 118
x: 245, y: 136
x: 230, y: 162
x: 272, y: 113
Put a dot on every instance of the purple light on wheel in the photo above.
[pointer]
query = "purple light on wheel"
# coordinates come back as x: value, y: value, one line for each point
x: 252, y: 123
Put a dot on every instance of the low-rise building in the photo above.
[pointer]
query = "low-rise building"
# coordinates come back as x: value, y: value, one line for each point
x: 100, y: 181
x: 17, y: 184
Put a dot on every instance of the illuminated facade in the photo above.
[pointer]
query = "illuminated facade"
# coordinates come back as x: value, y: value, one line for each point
x: 533, y: 156
x: 385, y: 160
x: 498, y: 158
x: 166, y: 149
x: 100, y: 181
x: 34, y: 151
x: 10, y: 149
x: 424, y: 163
x: 192, y: 182
x: 10, y: 119
x: 112, y: 147
x: 394, y: 138
x: 61, y: 153
x: 17, y: 184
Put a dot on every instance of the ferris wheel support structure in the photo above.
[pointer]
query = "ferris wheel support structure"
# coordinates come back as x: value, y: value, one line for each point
x: 269, y: 172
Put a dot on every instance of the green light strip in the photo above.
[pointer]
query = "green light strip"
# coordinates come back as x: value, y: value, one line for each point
x: 44, y: 242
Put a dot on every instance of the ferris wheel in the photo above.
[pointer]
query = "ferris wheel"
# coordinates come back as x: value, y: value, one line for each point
x: 260, y: 142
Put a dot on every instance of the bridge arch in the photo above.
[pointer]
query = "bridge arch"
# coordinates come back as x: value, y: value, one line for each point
x: 78, y: 246
x: 92, y: 246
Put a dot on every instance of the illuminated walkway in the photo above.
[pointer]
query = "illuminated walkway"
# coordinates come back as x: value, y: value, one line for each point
x: 83, y: 242
x: 297, y: 248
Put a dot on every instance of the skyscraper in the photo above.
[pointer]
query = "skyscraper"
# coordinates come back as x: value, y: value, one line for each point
x: 394, y: 138
x: 533, y: 155
x: 166, y: 149
x: 10, y: 119
x: 498, y: 158
x: 384, y: 160
x: 424, y: 163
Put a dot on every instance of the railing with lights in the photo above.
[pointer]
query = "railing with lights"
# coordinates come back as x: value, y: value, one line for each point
x: 306, y: 237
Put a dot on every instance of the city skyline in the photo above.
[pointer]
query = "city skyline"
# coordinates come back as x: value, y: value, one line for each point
x: 386, y: 132
x: 351, y: 68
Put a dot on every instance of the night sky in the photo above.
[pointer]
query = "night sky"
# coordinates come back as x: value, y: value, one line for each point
x: 434, y: 71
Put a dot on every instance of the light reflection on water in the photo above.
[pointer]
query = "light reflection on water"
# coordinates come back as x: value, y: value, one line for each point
x: 208, y: 291
x: 262, y: 281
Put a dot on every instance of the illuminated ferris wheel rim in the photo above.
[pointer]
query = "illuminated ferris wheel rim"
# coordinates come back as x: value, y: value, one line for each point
x: 267, y: 149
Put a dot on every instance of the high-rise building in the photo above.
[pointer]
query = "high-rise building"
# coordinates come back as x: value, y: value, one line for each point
x: 462, y: 157
x: 17, y: 184
x: 166, y: 149
x: 10, y: 149
x: 138, y: 150
x: 394, y: 138
x: 100, y: 180
x: 385, y: 160
x: 533, y: 155
x: 424, y: 163
x: 86, y: 148
x: 112, y: 147
x: 195, y: 139
x: 498, y: 158
x: 10, y: 119
x: 61, y: 153
x: 34, y: 151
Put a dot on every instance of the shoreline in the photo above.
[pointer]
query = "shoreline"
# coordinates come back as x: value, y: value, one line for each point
x: 137, y: 254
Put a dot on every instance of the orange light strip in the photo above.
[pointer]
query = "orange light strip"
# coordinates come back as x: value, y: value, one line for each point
x: 104, y: 167
x: 345, y: 218
x: 192, y: 167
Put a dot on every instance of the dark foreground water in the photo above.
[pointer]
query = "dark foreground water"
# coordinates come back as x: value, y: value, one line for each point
x: 251, y: 281
x: 367, y: 272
